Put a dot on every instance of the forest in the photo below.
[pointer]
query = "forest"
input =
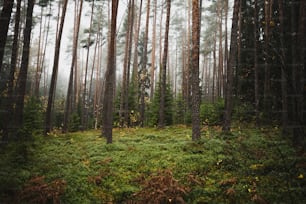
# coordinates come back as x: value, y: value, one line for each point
x: 152, y: 101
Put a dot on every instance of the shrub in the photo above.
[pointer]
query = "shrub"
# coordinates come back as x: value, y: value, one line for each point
x: 212, y: 113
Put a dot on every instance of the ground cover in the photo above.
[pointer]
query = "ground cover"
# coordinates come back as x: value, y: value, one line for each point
x: 146, y: 165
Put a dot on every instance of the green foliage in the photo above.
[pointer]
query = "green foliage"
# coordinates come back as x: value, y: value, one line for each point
x: 33, y: 117
x: 74, y: 122
x: 249, y: 166
x: 212, y: 113
x: 153, y: 109
x: 179, y: 113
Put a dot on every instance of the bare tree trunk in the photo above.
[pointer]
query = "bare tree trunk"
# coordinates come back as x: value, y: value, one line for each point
x: 152, y: 72
x: 124, y: 112
x: 283, y: 67
x: 256, y: 69
x: 267, y: 84
x: 48, y: 122
x: 232, y: 64
x: 161, y: 121
x: 107, y: 117
x: 22, y: 79
x: 10, y: 100
x: 85, y: 93
x: 5, y: 18
x: 69, y: 97
x: 195, y: 88
x: 143, y: 75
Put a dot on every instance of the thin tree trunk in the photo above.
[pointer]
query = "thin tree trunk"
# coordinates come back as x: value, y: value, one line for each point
x: 152, y: 72
x: 48, y: 121
x: 232, y: 64
x: 124, y: 112
x: 161, y: 121
x: 5, y: 18
x: 143, y: 76
x: 22, y: 80
x: 283, y: 66
x: 85, y: 93
x: 256, y: 69
x: 267, y: 84
x: 69, y: 97
x: 107, y: 117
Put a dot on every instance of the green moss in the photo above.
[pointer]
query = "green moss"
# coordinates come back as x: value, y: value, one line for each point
x: 249, y: 164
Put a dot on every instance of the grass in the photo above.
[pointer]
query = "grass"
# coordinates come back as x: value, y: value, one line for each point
x: 249, y: 166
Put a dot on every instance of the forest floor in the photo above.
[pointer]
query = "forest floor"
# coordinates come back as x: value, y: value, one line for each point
x: 147, y: 164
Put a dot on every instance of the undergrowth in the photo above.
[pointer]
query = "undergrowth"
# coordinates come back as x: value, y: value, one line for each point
x: 154, y: 166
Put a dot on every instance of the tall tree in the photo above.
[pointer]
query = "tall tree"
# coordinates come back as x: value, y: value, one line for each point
x: 231, y: 65
x: 22, y: 79
x: 143, y: 71
x: 48, y: 120
x: 9, y: 103
x: 124, y: 112
x: 85, y: 92
x: 69, y: 97
x: 5, y: 18
x: 267, y: 32
x: 195, y: 87
x: 256, y: 66
x: 107, y: 114
x: 163, y: 74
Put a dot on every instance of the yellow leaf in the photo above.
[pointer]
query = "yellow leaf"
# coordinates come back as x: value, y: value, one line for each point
x: 301, y: 176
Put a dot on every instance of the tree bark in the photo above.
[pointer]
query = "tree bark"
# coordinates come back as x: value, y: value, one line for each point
x: 195, y: 88
x: 161, y: 121
x: 5, y: 18
x: 22, y: 79
x: 69, y: 97
x: 231, y: 65
x: 107, y: 116
x: 10, y: 100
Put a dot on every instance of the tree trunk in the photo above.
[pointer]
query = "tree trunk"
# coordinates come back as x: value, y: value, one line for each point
x: 22, y: 79
x: 256, y: 68
x: 124, y: 112
x: 161, y: 121
x: 5, y: 18
x: 152, y: 72
x: 48, y: 122
x: 231, y: 65
x: 107, y: 116
x: 267, y: 84
x: 144, y: 73
x: 283, y: 62
x: 69, y: 97
x: 195, y: 88
x: 10, y: 100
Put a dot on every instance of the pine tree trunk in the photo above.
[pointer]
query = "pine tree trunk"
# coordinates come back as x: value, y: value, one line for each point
x: 284, y: 67
x: 10, y: 100
x: 152, y: 72
x: 107, y: 116
x: 144, y: 72
x: 5, y: 18
x: 124, y: 112
x: 161, y: 121
x: 195, y: 88
x: 256, y: 68
x: 48, y: 122
x: 69, y: 97
x: 22, y: 79
x: 231, y: 65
